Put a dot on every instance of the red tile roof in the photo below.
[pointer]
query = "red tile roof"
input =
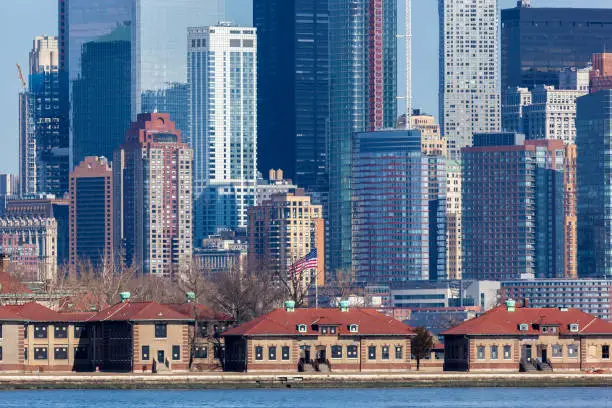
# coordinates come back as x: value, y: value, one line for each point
x: 282, y: 322
x: 500, y: 321
x: 35, y: 312
x: 203, y: 312
x: 139, y: 311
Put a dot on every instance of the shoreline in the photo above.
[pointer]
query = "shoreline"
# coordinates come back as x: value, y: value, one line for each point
x: 297, y: 380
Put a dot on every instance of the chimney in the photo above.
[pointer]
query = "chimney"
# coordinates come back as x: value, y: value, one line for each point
x: 510, y: 305
x: 290, y: 306
x: 125, y: 296
x: 272, y: 175
x: 344, y: 305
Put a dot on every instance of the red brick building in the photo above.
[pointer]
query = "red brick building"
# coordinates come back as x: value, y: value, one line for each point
x: 290, y: 340
x: 510, y: 338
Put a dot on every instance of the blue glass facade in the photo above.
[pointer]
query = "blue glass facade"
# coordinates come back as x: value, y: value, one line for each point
x: 594, y: 184
x: 399, y: 209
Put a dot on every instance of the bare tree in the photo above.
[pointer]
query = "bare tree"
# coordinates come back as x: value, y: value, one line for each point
x: 421, y: 344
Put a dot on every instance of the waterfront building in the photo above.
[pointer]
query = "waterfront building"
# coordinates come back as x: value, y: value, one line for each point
x: 399, y: 209
x: 343, y: 339
x: 593, y: 296
x: 91, y: 212
x: 469, y: 74
x: 122, y: 57
x: 222, y: 72
x: 153, y: 197
x: 363, y: 93
x: 538, y: 42
x: 283, y: 230
x: 517, y: 217
x: 594, y: 172
x: 31, y: 244
x: 511, y: 338
x: 293, y: 88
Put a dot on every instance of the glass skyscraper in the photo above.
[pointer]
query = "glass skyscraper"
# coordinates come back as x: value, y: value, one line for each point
x: 363, y: 72
x: 293, y: 88
x: 120, y: 57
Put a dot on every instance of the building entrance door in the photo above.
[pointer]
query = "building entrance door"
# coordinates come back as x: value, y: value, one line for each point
x: 526, y: 352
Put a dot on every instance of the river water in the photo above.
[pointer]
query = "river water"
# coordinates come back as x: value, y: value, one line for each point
x: 315, y: 398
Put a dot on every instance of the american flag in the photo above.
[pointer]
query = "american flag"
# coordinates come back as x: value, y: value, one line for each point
x: 310, y: 261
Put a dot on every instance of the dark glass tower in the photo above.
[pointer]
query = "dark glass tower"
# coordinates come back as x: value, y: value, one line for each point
x: 293, y: 88
x: 536, y: 43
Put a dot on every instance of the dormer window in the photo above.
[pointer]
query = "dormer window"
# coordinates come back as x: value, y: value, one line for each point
x: 302, y: 328
x: 573, y: 327
x: 523, y: 327
x: 353, y: 328
x: 328, y: 329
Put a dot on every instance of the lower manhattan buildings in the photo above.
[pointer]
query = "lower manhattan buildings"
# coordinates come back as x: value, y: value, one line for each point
x: 518, y: 217
x: 153, y: 196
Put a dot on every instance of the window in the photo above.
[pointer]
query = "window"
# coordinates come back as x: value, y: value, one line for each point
x: 572, y: 351
x: 302, y: 328
x: 285, y: 353
x: 259, y: 353
x: 0, y: 353
x: 573, y: 327
x: 385, y: 352
x: 201, y: 352
x: 480, y: 353
x: 0, y: 331
x: 40, y: 353
x: 25, y: 354
x: 557, y: 350
x: 351, y: 351
x: 25, y: 331
x: 493, y: 352
x: 354, y: 328
x: 507, y: 352
x: 272, y: 353
x: 61, y: 331
x: 60, y: 353
x: 176, y: 352
x: 605, y: 352
x: 40, y: 331
x: 523, y: 327
x: 371, y: 352
x: 336, y: 351
x: 80, y: 332
x: 80, y: 353
x: 145, y: 353
x: 399, y: 352
x: 161, y: 331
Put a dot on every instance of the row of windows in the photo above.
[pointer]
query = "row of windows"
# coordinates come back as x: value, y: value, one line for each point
x: 60, y: 331
x: 161, y: 356
x: 337, y: 352
x: 59, y: 353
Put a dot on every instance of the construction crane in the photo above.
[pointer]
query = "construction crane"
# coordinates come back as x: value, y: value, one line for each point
x: 24, y: 84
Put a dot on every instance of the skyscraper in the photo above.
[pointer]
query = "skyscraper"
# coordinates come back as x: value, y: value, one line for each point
x: 91, y: 212
x: 363, y: 72
x: 469, y: 70
x: 27, y: 146
x: 594, y: 187
x: 223, y: 88
x: 153, y: 176
x: 121, y: 57
x: 518, y: 215
x: 399, y: 209
x: 293, y: 88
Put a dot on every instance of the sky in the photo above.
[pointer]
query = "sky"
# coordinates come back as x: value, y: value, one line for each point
x: 24, y: 19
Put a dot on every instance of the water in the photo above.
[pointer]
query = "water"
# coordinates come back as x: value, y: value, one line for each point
x: 311, y: 398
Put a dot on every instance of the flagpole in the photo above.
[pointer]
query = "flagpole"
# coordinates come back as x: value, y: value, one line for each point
x: 317, y: 287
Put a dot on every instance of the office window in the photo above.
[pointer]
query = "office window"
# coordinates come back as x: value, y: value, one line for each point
x: 385, y: 352
x: 161, y: 331
x: 605, y: 352
x: 493, y: 352
x: 80, y: 353
x: 258, y: 353
x: 145, y: 352
x: 176, y: 352
x: 61, y: 331
x: 40, y: 353
x: 399, y: 352
x: 40, y: 331
x: 371, y: 352
x: 285, y: 353
x: 80, y: 332
x: 336, y: 351
x: 272, y: 353
x: 351, y: 352
x: 480, y: 353
x: 60, y: 353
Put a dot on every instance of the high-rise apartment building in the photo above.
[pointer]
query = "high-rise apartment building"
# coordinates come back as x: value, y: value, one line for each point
x: 275, y: 184
x: 454, y: 256
x: 122, y: 57
x: 517, y: 217
x: 27, y: 147
x: 469, y: 70
x: 9, y: 184
x: 285, y: 229
x: 594, y: 187
x: 152, y: 174
x: 601, y: 72
x: 399, y: 209
x: 91, y: 213
x: 363, y: 91
x: 223, y: 85
x: 537, y: 43
x: 293, y: 88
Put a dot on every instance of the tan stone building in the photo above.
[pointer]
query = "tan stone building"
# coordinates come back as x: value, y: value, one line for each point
x: 432, y: 142
x: 292, y: 340
x: 508, y: 338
